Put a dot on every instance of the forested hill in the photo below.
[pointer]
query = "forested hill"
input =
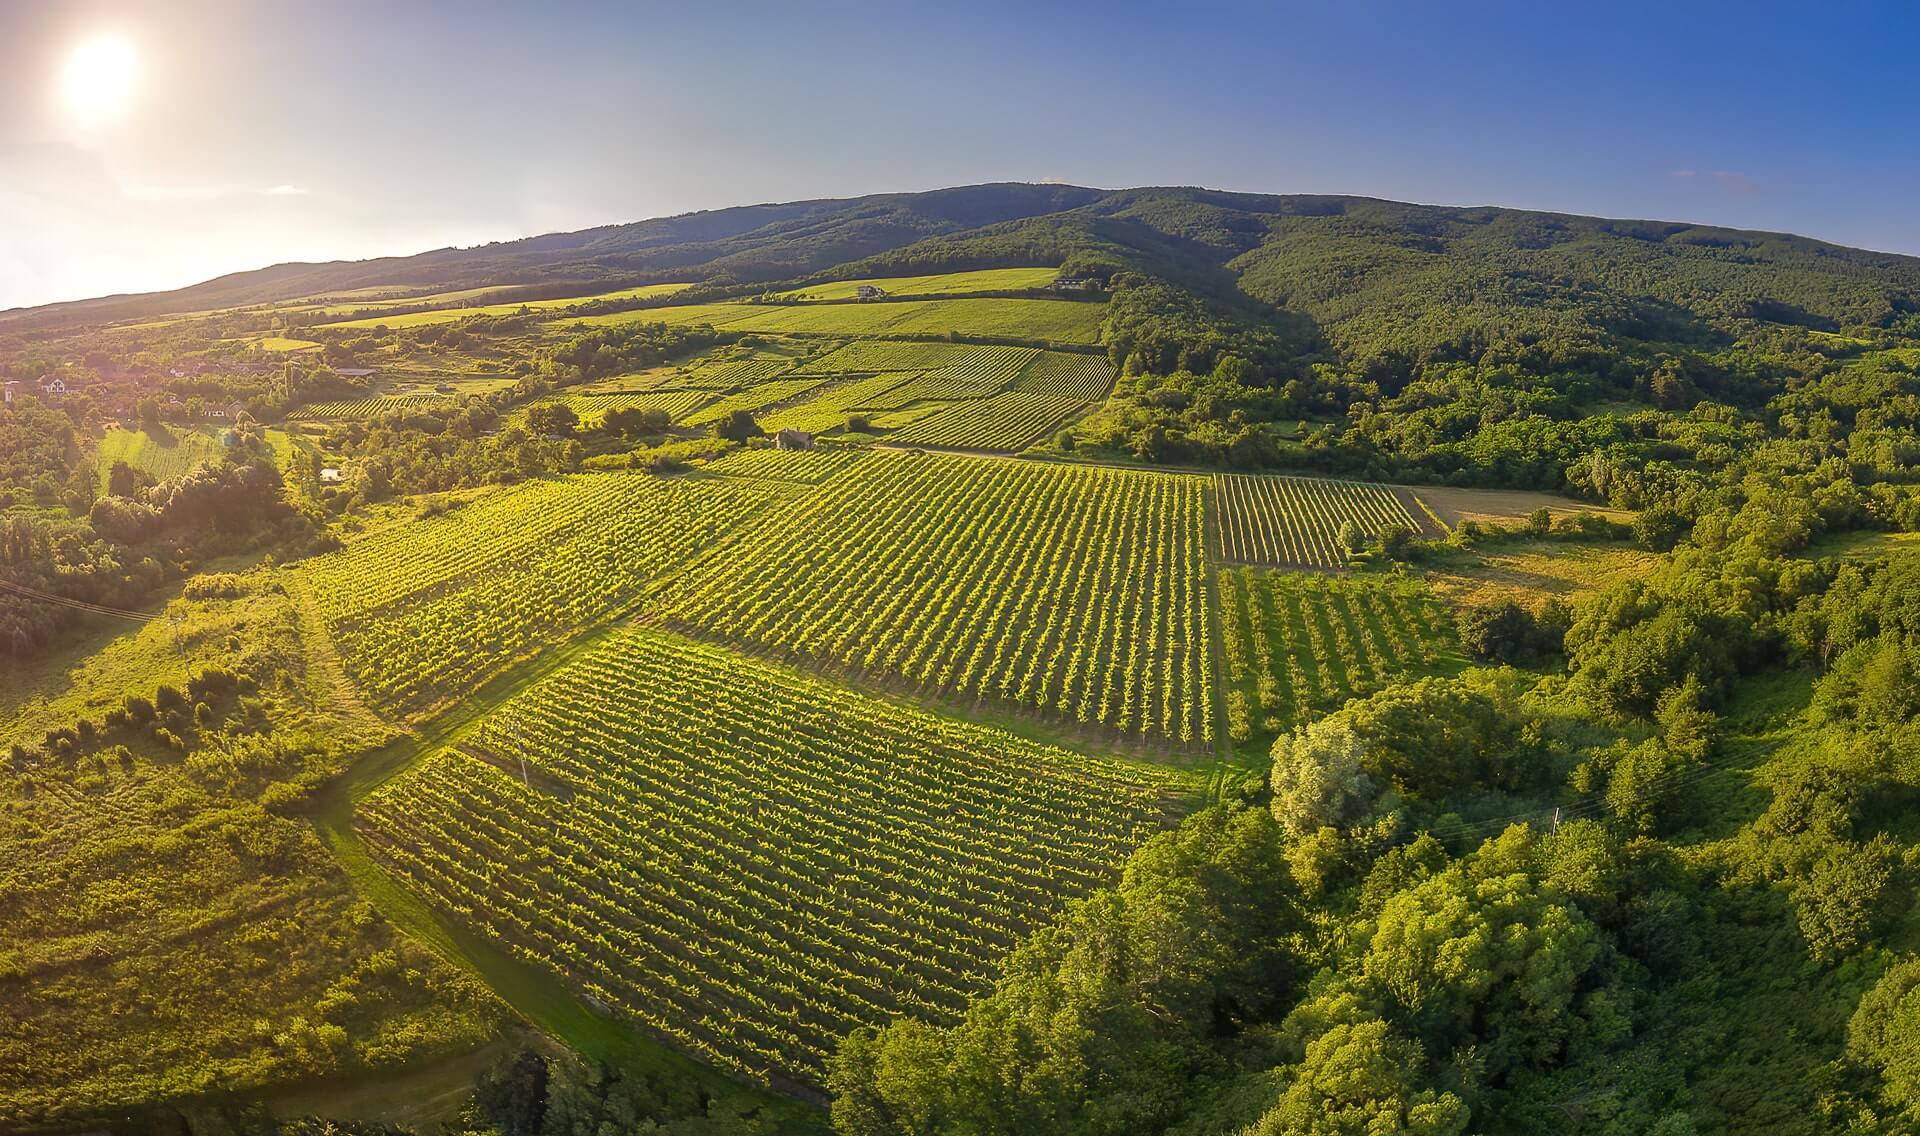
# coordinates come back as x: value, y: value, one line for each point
x: 1372, y: 283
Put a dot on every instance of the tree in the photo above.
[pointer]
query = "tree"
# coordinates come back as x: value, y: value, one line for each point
x: 1351, y: 537
x: 514, y: 1097
x: 634, y: 422
x: 737, y: 426
x: 1486, y: 954
x: 122, y: 480
x: 1357, y: 1079
x: 1659, y: 528
x: 1884, y: 1035
x: 552, y: 418
x: 1502, y: 631
x: 1317, y: 777
x: 1540, y: 522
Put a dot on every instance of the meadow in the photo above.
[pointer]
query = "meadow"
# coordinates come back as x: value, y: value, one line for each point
x: 748, y: 862
x: 162, y: 454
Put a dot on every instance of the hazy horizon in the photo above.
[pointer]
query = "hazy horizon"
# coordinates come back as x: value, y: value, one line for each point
x: 191, y: 146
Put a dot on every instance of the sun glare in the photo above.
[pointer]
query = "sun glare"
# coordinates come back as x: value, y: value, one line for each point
x: 99, y: 79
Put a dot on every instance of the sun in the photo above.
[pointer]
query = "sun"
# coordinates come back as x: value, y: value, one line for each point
x: 99, y: 79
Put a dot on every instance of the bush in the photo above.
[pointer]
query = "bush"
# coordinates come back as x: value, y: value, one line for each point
x: 737, y: 426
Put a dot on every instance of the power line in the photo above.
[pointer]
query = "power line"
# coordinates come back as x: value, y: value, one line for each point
x: 38, y: 596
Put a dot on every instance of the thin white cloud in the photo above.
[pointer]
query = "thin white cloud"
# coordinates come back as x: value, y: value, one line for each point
x: 284, y: 191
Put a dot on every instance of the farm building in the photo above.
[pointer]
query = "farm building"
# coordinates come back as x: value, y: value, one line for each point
x: 1076, y: 284
x: 354, y: 372
x: 791, y: 439
x: 53, y: 386
x: 331, y: 475
x: 868, y: 292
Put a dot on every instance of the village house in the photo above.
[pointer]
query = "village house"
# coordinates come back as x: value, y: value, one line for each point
x: 791, y: 439
x: 1077, y: 284
x: 331, y: 475
x: 868, y: 292
x: 53, y: 387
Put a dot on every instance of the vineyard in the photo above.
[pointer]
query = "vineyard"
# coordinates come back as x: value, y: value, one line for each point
x: 747, y: 862
x: 450, y: 315
x: 943, y: 284
x: 727, y: 373
x: 1010, y: 422
x: 1084, y: 378
x: 1301, y: 643
x: 808, y: 467
x: 591, y: 405
x: 869, y: 355
x: 425, y: 611
x: 1061, y: 321
x: 1294, y: 521
x: 830, y: 407
x: 752, y: 399
x: 1077, y: 592
x: 358, y: 408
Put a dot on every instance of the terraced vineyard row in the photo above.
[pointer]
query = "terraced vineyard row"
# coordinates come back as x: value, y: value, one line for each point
x: 1011, y: 421
x: 731, y: 373
x: 1071, y: 591
x: 864, y: 355
x: 424, y: 612
x: 1085, y: 378
x: 369, y: 407
x: 752, y: 399
x: 809, y: 467
x: 1294, y: 520
x: 1301, y: 643
x: 677, y: 403
x: 748, y: 862
x: 829, y: 408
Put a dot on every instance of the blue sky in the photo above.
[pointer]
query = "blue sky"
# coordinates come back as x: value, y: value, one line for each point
x: 259, y: 132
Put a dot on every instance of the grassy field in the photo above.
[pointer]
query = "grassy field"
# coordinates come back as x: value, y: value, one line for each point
x: 449, y: 315
x: 942, y: 284
x: 281, y: 343
x: 177, y: 937
x: 1532, y: 571
x: 1061, y: 321
x: 1503, y: 506
x: 167, y: 453
x: 746, y: 861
